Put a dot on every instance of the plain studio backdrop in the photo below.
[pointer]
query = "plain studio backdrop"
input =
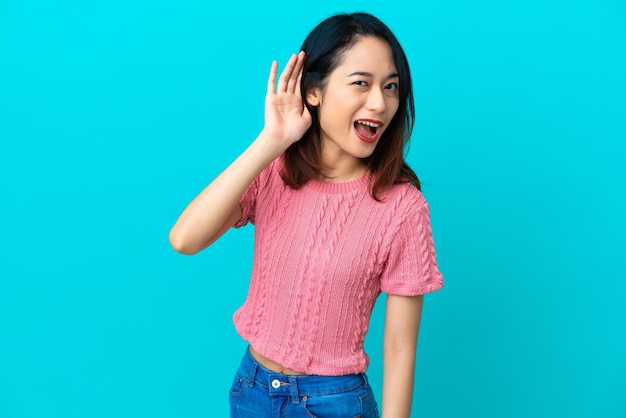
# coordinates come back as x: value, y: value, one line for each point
x: 114, y: 115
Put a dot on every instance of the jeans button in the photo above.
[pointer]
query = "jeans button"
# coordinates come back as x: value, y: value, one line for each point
x: 275, y: 383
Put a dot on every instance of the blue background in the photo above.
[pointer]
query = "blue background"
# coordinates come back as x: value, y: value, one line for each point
x: 114, y: 115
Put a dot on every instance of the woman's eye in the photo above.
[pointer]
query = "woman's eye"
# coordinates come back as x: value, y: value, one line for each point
x: 360, y: 83
x: 392, y: 86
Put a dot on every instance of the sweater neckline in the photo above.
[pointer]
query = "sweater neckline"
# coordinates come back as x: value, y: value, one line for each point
x: 330, y: 187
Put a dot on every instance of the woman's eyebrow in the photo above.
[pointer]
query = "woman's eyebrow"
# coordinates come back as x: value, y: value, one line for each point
x: 366, y: 74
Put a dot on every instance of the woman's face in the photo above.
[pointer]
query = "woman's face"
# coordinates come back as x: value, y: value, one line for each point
x: 358, y: 102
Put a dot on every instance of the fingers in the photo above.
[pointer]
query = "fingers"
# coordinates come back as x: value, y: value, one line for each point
x: 284, y: 76
x: 289, y: 80
x: 299, y: 72
x: 296, y: 73
x: 271, y: 82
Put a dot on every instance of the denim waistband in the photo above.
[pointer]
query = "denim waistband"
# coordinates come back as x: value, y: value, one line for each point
x: 297, y: 384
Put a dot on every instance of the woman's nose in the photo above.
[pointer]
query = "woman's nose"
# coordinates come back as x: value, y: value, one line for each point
x: 376, y: 101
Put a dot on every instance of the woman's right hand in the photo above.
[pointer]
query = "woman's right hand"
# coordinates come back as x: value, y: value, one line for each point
x: 286, y: 116
x: 217, y: 208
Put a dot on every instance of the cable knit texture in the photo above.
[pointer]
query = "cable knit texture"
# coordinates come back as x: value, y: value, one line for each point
x: 322, y: 255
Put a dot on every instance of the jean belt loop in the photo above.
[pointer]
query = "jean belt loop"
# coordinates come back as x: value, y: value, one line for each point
x: 364, y: 376
x: 252, y: 376
x: 293, y: 390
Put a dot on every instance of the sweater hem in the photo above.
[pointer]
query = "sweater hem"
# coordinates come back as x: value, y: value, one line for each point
x: 413, y: 291
x: 309, y: 370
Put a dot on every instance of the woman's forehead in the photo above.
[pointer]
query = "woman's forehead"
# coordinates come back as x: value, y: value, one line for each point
x: 368, y: 55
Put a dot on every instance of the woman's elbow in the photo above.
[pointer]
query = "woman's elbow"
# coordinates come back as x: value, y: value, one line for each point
x: 180, y: 244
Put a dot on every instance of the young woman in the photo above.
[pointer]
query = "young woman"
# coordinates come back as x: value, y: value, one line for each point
x: 338, y: 218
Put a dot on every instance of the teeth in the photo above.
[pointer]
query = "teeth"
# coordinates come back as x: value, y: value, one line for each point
x: 372, y: 124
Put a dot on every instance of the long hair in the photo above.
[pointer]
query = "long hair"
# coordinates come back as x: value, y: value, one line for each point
x: 324, y: 48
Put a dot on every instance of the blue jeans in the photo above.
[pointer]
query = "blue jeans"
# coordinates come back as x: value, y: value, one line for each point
x: 258, y: 392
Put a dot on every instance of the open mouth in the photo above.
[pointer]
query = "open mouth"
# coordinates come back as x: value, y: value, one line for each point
x: 366, y: 130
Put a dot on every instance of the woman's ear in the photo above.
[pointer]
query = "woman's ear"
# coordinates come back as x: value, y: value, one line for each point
x: 313, y: 96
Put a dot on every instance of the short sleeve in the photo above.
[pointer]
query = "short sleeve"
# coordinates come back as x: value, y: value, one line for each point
x: 411, y: 267
x: 248, y: 204
x: 259, y: 189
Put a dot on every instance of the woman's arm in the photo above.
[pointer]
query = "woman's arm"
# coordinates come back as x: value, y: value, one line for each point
x: 402, y: 321
x: 217, y: 208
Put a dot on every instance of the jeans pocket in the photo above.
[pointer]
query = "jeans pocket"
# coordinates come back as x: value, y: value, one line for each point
x: 369, y: 407
x: 336, y: 405
x: 238, y: 384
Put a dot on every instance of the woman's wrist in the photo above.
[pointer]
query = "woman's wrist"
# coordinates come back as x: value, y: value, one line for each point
x: 270, y: 145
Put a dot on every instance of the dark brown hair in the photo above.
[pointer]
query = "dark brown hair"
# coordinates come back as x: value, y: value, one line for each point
x: 324, y: 48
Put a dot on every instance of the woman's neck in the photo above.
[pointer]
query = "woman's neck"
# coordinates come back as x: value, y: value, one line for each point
x: 341, y: 167
x: 342, y: 171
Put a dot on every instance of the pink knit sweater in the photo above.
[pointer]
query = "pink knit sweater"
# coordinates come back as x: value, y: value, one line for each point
x: 322, y: 255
